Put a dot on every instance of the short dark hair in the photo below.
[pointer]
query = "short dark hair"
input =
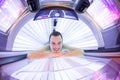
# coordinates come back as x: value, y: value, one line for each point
x: 55, y: 33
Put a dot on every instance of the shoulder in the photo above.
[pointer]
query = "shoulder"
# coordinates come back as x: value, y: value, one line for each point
x: 45, y: 48
x: 68, y: 47
x: 71, y: 48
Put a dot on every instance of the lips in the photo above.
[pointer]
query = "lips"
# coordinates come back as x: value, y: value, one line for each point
x: 56, y: 49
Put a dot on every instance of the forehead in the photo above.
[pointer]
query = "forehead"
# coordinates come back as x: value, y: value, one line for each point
x: 56, y: 38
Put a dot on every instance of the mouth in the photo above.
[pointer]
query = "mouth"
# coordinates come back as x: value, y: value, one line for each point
x: 56, y: 50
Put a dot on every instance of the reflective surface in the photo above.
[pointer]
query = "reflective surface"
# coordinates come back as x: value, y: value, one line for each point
x: 9, y: 12
x: 70, y: 68
x: 105, y: 13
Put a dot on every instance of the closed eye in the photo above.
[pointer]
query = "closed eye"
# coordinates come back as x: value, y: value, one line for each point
x: 59, y: 43
x: 53, y: 43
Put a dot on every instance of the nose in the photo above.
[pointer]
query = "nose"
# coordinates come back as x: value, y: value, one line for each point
x: 56, y: 46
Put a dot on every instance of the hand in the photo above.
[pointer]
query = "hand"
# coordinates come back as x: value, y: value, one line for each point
x: 58, y: 54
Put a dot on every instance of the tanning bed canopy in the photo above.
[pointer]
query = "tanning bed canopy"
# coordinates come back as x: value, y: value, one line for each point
x: 56, y: 12
x: 57, y: 8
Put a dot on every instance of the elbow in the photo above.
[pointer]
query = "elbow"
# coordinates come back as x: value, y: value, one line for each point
x: 80, y: 52
x: 29, y: 56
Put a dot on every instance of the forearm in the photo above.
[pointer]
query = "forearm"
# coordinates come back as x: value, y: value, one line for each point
x: 38, y: 56
x: 75, y: 53
x: 44, y: 55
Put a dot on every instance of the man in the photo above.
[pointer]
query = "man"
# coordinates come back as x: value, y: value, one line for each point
x: 55, y: 48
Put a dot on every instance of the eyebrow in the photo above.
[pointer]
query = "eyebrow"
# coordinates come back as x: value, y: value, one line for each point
x: 59, y: 42
x: 53, y: 42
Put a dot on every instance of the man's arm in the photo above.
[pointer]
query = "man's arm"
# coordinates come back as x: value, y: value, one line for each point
x: 73, y: 51
x: 49, y: 55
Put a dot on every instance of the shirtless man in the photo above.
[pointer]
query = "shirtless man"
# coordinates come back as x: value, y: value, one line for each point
x: 55, y: 48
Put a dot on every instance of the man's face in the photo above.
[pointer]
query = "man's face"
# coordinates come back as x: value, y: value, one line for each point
x: 55, y: 43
